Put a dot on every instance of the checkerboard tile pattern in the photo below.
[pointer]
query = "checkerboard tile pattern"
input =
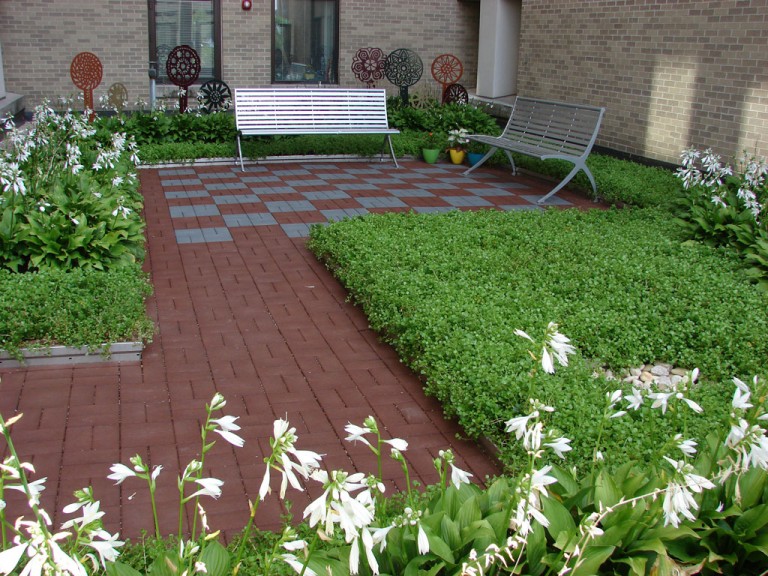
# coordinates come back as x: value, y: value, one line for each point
x: 207, y: 202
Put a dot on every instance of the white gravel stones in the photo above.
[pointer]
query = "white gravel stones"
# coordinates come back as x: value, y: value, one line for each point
x: 660, y: 376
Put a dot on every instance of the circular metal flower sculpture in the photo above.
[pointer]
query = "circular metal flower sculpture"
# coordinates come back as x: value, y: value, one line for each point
x: 447, y: 69
x: 403, y: 68
x: 117, y: 96
x: 368, y: 65
x: 183, y: 68
x: 214, y: 96
x: 455, y: 94
x: 85, y: 72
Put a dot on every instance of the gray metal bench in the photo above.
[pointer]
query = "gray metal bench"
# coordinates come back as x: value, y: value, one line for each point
x: 284, y: 111
x: 546, y: 130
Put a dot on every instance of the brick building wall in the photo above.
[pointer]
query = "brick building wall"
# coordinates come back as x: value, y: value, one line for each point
x: 670, y: 73
x: 40, y: 38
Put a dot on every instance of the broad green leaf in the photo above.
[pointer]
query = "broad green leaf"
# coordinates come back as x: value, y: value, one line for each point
x: 166, y: 564
x: 438, y: 546
x: 535, y: 550
x: 414, y: 567
x: 606, y: 491
x: 216, y: 558
x: 752, y: 484
x: 450, y: 532
x: 591, y: 559
x: 120, y: 569
x: 751, y: 521
x: 560, y: 520
x: 637, y: 564
x: 468, y: 513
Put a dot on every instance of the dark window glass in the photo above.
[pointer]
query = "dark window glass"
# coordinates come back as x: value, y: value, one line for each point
x: 305, y: 40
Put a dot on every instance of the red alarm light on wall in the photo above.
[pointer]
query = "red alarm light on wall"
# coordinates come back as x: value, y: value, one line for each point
x: 247, y: 4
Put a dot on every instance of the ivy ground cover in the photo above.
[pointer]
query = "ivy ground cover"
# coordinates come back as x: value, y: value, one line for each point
x: 449, y: 290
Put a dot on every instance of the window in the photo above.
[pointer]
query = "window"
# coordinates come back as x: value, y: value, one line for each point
x: 191, y: 22
x: 305, y: 41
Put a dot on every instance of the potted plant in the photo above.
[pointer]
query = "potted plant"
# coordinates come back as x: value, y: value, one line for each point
x: 457, y: 142
x: 430, y: 147
x: 475, y: 152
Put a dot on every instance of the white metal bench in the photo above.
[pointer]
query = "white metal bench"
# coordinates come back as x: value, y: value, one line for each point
x: 284, y: 111
x: 545, y: 129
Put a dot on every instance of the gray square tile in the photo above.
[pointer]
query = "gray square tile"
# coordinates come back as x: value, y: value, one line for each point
x: 252, y: 219
x: 382, y: 202
x: 199, y: 235
x: 326, y: 195
x: 195, y: 210
x: 290, y: 206
x: 467, y: 201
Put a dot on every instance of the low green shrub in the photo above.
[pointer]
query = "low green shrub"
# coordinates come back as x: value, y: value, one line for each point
x: 447, y: 291
x: 68, y: 200
x: 75, y: 308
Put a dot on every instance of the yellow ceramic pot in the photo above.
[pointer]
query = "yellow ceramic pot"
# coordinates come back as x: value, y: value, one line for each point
x: 457, y: 156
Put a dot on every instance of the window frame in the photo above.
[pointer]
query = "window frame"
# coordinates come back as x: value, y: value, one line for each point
x: 217, y: 36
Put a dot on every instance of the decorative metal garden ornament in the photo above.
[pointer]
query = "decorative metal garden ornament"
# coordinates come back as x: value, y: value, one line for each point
x: 368, y: 65
x: 85, y: 72
x: 403, y: 68
x: 447, y: 69
x: 455, y: 94
x: 117, y: 96
x: 214, y: 96
x: 183, y: 68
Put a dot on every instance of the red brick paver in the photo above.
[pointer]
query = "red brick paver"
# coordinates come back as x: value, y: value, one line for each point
x: 256, y: 318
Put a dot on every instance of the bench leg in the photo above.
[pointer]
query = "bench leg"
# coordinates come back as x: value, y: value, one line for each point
x: 240, y: 153
x: 480, y: 162
x: 388, y: 140
x: 576, y: 167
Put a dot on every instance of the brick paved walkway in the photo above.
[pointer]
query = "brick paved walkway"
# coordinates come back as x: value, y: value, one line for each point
x: 243, y: 308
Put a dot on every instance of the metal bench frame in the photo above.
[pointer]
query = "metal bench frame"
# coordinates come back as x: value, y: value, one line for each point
x: 546, y: 130
x: 284, y: 111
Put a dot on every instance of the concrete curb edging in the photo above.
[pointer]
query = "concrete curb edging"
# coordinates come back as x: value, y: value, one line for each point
x: 68, y: 355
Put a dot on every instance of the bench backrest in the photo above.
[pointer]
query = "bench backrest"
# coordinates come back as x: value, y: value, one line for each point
x: 315, y: 110
x: 569, y: 129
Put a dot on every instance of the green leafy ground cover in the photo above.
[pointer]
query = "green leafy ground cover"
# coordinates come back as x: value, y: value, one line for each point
x: 77, y: 307
x: 448, y: 291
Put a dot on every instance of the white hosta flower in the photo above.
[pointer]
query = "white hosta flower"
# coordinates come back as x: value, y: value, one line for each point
x: 208, y: 487
x: 660, y: 400
x: 458, y: 476
x: 106, y: 546
x: 226, y: 428
x: 358, y: 433
x: 518, y: 425
x: 422, y: 541
x: 741, y: 396
x: 687, y: 447
x: 635, y: 399
x: 558, y: 344
x: 559, y: 446
x: 397, y: 443
x: 283, y: 448
x: 297, y: 565
x: 678, y: 497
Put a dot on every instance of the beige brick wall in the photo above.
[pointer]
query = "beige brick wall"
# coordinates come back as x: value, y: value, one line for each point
x: 40, y: 38
x: 671, y: 74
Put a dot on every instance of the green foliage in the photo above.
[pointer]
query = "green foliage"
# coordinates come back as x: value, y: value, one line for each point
x: 618, y: 181
x: 160, y: 127
x: 75, y: 308
x: 440, y: 119
x: 448, y: 290
x: 68, y: 200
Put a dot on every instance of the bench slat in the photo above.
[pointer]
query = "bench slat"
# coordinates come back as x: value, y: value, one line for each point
x: 272, y: 111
